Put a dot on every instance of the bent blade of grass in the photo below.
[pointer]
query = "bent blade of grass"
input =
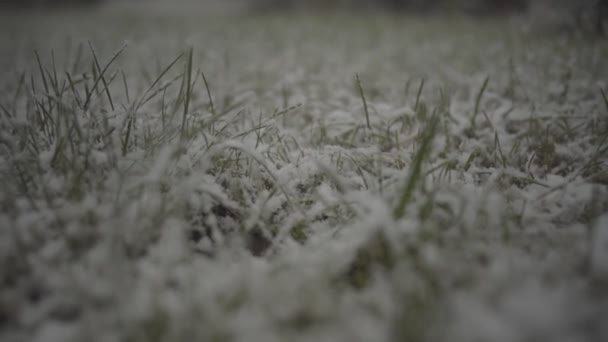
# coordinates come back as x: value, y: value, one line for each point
x: 212, y: 107
x: 260, y: 160
x: 359, y: 170
x: 416, y: 175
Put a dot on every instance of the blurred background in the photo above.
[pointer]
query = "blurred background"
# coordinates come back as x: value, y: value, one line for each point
x: 587, y: 15
x: 474, y: 6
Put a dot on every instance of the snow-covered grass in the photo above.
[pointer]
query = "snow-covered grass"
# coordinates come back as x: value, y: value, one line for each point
x: 303, y: 178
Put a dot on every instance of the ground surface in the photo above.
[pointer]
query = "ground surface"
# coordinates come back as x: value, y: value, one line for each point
x: 300, y: 178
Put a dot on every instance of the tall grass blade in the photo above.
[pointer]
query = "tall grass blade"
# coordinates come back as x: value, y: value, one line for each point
x: 103, y: 79
x: 144, y: 97
x: 100, y: 76
x: 188, y: 95
x: 415, y: 176
x: 478, y: 98
x: 362, y: 94
x: 44, y: 81
x: 74, y: 91
x: 125, y: 143
x: 212, y: 107
x: 209, y: 94
x: 418, y: 95
x: 126, y: 87
x: 604, y: 97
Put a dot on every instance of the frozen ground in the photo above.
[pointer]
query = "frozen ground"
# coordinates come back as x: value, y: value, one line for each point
x: 305, y: 178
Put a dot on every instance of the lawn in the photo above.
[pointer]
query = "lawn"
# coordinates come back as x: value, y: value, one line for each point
x: 171, y: 176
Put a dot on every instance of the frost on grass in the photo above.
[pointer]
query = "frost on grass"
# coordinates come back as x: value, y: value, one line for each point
x: 366, y: 179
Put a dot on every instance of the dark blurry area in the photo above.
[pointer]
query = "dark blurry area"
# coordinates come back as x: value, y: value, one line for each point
x: 26, y: 4
x: 471, y: 6
x: 568, y: 15
x: 579, y: 15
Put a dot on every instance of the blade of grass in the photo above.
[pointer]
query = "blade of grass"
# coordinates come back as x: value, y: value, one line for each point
x: 144, y: 98
x: 125, y: 143
x: 103, y: 80
x: 406, y: 88
x: 100, y: 76
x: 5, y: 110
x: 76, y: 63
x: 498, y: 148
x: 212, y: 107
x: 209, y: 94
x: 478, y: 98
x: 360, y: 172
x: 53, y: 76
x: 20, y: 87
x: 188, y: 95
x: 41, y: 68
x: 74, y: 91
x: 126, y: 87
x: 418, y: 95
x: 415, y: 176
x: 604, y: 97
x: 362, y: 94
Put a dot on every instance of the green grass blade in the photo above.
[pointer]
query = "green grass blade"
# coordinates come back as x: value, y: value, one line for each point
x: 362, y: 94
x: 418, y: 95
x: 415, y: 176
x: 42, y: 73
x: 90, y: 92
x: 126, y: 87
x: 188, y: 94
x: 604, y: 97
x: 103, y: 79
x: 74, y: 91
x: 478, y: 98
x: 144, y: 97
x: 209, y: 94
